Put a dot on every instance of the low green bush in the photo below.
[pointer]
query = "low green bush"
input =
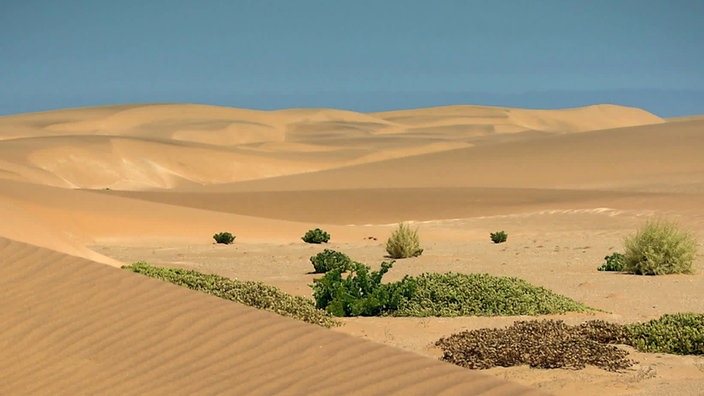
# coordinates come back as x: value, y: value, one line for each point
x: 612, y: 263
x: 403, y: 243
x: 658, y: 248
x: 329, y: 259
x: 680, y: 333
x: 363, y: 294
x: 316, y: 236
x: 452, y: 294
x: 498, y: 237
x: 224, y: 238
x: 254, y: 294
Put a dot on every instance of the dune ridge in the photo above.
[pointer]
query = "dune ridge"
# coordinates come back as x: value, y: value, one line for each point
x: 72, y: 326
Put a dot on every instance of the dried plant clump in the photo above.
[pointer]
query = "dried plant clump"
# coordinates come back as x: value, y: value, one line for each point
x: 403, y: 243
x: 539, y: 344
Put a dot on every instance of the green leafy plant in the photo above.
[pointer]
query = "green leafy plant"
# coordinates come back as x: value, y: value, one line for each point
x: 329, y: 259
x: 660, y: 247
x: 612, y: 263
x: 498, y: 237
x: 316, y: 236
x: 680, y: 333
x: 361, y: 293
x: 452, y: 294
x: 403, y: 243
x: 254, y: 294
x: 224, y: 238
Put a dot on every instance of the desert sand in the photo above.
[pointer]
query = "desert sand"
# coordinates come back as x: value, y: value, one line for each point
x: 83, y: 191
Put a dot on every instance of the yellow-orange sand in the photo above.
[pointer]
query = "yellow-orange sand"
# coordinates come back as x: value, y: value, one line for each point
x: 81, y: 188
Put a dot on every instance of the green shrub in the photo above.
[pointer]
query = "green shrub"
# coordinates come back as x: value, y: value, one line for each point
x: 224, y: 237
x: 329, y: 259
x: 681, y: 334
x: 316, y: 236
x: 540, y: 344
x: 498, y: 236
x: 403, y: 243
x: 254, y: 294
x: 660, y: 248
x: 613, y: 263
x: 361, y: 293
x: 453, y: 294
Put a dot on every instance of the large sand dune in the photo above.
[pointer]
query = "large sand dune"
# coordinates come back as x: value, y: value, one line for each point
x: 118, y: 184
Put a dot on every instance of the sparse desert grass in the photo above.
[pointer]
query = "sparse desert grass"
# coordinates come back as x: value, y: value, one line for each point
x: 362, y: 293
x: 316, y: 236
x: 658, y: 248
x: 403, y: 243
x: 330, y: 259
x: 254, y: 294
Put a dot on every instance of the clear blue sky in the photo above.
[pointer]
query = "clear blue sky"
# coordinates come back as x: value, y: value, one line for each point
x: 359, y: 54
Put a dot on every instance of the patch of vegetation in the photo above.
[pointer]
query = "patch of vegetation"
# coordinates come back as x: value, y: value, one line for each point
x: 658, y: 248
x: 612, y: 263
x: 453, y: 294
x: 224, y: 238
x: 363, y: 294
x: 680, y: 334
x: 403, y: 243
x: 328, y: 260
x: 254, y: 294
x: 498, y: 237
x: 316, y: 236
x: 539, y: 344
x: 553, y: 344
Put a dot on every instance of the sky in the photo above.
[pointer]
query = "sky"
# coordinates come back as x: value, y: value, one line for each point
x: 358, y: 55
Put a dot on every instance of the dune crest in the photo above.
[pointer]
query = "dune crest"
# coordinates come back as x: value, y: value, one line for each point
x: 162, y: 146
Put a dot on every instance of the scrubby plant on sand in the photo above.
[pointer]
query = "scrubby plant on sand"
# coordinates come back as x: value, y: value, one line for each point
x: 498, y: 237
x: 316, y: 236
x: 224, y: 238
x: 680, y: 334
x: 363, y: 294
x: 553, y: 344
x: 539, y: 344
x: 330, y: 259
x: 612, y: 263
x: 254, y: 294
x: 403, y: 243
x: 658, y: 248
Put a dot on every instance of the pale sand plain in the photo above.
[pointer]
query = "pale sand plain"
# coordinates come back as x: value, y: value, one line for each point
x: 83, y: 191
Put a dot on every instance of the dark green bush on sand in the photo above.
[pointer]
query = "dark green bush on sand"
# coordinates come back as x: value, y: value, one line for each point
x: 254, y: 294
x: 363, y: 294
x: 498, y: 237
x: 224, y: 238
x: 660, y: 248
x: 316, y: 236
x: 328, y: 260
x: 612, y: 263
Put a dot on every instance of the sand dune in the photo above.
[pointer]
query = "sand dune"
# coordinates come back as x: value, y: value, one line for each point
x: 76, y: 327
x: 110, y: 185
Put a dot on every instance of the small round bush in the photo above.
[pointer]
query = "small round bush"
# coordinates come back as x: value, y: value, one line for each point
x: 612, y: 263
x: 224, y: 238
x: 403, y: 243
x: 328, y: 260
x: 659, y: 248
x: 316, y: 236
x: 498, y: 237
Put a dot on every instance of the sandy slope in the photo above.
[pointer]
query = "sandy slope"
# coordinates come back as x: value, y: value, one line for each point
x: 153, y: 182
